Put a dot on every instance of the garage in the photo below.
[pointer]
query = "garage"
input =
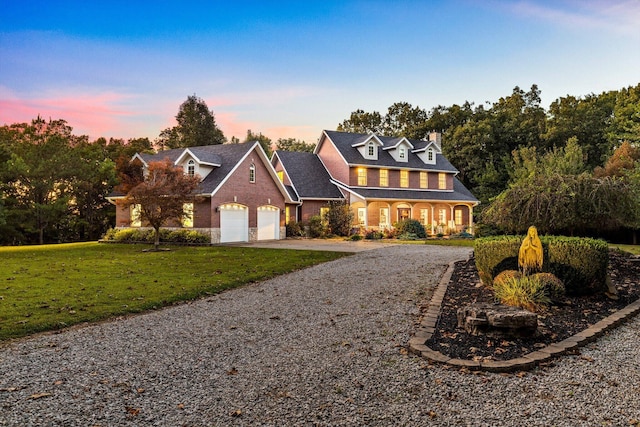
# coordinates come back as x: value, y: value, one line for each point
x: 234, y: 223
x: 268, y: 223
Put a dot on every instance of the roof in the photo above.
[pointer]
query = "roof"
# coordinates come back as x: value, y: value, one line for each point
x: 309, y: 178
x: 459, y: 194
x: 346, y: 144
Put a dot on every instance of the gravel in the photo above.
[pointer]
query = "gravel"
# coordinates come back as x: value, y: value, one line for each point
x: 322, y: 346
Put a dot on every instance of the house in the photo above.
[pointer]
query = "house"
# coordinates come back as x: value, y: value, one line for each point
x: 384, y: 180
x: 240, y: 196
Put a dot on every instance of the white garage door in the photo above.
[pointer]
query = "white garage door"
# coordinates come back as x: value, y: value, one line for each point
x: 234, y: 223
x: 268, y: 223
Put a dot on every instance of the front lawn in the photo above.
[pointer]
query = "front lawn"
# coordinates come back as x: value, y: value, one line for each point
x: 53, y: 286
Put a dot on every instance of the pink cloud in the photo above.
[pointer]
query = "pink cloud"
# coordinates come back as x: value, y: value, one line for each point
x: 94, y: 115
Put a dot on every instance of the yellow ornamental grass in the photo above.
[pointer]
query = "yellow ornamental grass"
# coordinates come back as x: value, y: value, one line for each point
x: 530, y: 255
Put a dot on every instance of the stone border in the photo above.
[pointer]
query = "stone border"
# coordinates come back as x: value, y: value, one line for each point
x: 417, y: 344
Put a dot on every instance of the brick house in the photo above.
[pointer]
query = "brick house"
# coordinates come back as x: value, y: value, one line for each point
x: 241, y: 197
x: 384, y: 180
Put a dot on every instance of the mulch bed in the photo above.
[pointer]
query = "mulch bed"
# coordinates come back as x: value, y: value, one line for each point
x: 556, y: 324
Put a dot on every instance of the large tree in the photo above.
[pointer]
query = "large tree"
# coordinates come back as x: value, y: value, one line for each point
x: 292, y: 144
x: 162, y: 195
x: 196, y: 126
x: 265, y: 142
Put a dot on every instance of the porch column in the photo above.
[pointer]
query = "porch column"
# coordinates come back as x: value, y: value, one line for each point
x: 452, y: 221
x: 433, y: 220
x: 366, y: 214
x: 471, y: 219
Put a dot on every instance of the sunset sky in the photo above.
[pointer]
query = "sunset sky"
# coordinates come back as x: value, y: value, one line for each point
x: 293, y: 68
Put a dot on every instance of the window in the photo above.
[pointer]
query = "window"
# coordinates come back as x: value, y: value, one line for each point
x: 424, y: 216
x: 362, y: 216
x: 404, y: 178
x: 136, y: 210
x: 252, y: 173
x: 430, y: 154
x: 423, y: 180
x: 281, y: 176
x: 384, y: 178
x: 458, y: 216
x: 371, y: 149
x: 442, y: 181
x: 404, y: 214
x: 402, y: 153
x: 287, y: 215
x: 323, y: 215
x: 442, y: 217
x: 191, y: 168
x: 362, y: 176
x: 187, y: 215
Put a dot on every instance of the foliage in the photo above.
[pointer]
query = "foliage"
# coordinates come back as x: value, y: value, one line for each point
x: 410, y: 226
x: 196, y: 126
x: 355, y: 237
x: 339, y: 218
x: 505, y: 275
x: 264, y: 141
x: 292, y: 144
x: 580, y: 263
x: 553, y: 287
x: 526, y: 292
x: 316, y: 227
x: 371, y: 234
x: 295, y: 229
x: 162, y: 195
x: 56, y: 286
x: 145, y: 235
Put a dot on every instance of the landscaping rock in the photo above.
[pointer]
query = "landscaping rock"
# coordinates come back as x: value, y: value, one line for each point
x: 497, y: 320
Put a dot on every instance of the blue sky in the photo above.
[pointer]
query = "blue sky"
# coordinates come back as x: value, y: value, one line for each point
x: 290, y: 68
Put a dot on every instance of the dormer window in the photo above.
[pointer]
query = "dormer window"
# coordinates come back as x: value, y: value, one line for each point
x: 371, y: 149
x: 402, y: 153
x: 430, y: 155
x: 191, y: 168
x: 252, y: 173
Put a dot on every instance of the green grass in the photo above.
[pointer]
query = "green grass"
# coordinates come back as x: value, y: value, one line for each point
x: 634, y: 249
x: 54, y: 286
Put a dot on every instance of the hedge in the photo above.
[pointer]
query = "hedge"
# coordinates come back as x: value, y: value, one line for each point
x: 146, y: 235
x: 581, y: 263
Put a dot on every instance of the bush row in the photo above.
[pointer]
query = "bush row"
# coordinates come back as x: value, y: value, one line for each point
x: 581, y: 263
x: 146, y: 235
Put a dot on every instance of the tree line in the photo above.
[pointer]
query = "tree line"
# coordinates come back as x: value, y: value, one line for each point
x: 573, y: 168
x: 570, y: 169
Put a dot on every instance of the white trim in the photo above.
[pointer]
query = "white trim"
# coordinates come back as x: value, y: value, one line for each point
x: 275, y: 154
x: 402, y: 140
x: 139, y: 157
x: 193, y: 156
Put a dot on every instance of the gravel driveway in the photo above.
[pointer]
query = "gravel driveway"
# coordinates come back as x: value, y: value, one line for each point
x: 321, y: 346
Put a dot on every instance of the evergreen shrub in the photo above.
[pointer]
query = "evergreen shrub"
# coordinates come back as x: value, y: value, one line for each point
x: 411, y: 226
x: 580, y: 263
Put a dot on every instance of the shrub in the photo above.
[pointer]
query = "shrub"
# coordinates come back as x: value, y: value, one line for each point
x: 525, y: 292
x: 506, y: 275
x: 553, y: 287
x: 316, y: 228
x: 580, y: 263
x: 411, y: 226
x: 145, y: 235
x: 339, y: 218
x: 408, y: 236
x: 295, y: 229
x: 372, y: 234
x: 355, y: 237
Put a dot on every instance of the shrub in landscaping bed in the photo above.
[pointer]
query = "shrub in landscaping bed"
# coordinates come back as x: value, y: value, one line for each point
x: 580, y: 263
x: 526, y: 292
x: 410, y: 226
x: 144, y: 235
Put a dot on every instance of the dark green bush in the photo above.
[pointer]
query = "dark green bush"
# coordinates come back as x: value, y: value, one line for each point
x: 580, y: 263
x: 316, y: 227
x: 295, y: 229
x: 411, y: 226
x: 372, y: 234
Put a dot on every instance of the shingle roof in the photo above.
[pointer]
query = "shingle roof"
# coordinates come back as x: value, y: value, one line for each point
x: 344, y: 142
x: 308, y: 175
x: 226, y: 155
x: 459, y: 194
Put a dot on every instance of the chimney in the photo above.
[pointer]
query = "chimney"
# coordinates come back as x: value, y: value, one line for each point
x: 437, y: 138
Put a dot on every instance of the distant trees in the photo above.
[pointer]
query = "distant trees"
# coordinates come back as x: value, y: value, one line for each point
x: 292, y: 144
x: 196, y: 126
x: 264, y: 141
